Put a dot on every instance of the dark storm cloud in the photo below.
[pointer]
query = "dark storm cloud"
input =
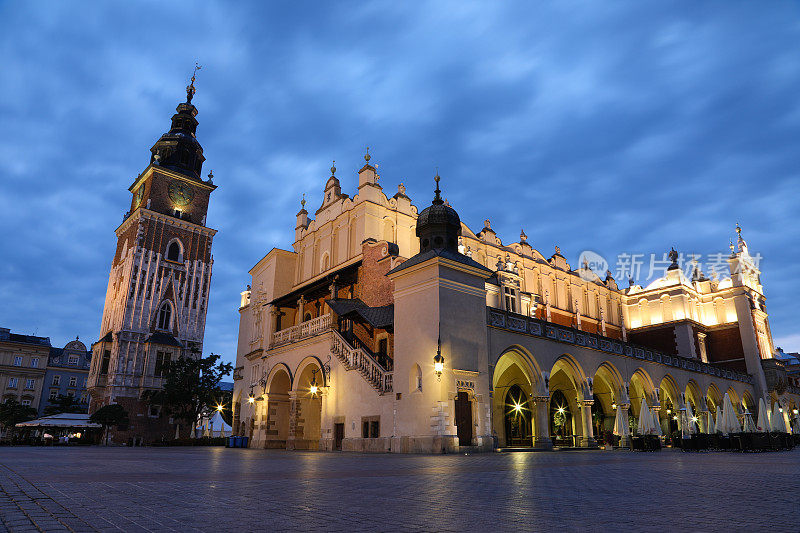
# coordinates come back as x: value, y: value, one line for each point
x: 615, y: 127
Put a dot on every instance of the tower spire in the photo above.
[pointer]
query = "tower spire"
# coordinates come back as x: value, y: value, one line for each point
x: 190, y: 90
x: 437, y: 199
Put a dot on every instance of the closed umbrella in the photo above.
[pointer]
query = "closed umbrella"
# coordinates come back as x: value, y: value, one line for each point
x: 657, y: 424
x: 711, y: 427
x: 177, y: 431
x: 749, y: 425
x: 645, y: 419
x: 690, y: 421
x: 763, y: 419
x: 777, y: 419
x: 209, y: 430
x: 683, y: 421
x: 731, y: 421
x: 719, y: 423
x: 620, y: 424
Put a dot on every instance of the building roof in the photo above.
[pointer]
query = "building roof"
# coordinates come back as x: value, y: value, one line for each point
x: 61, y: 420
x: 378, y: 317
x: 6, y: 335
x: 163, y: 338
x: 440, y: 252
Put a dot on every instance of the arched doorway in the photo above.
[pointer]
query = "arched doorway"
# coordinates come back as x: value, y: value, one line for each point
x: 561, y: 420
x: 518, y: 420
x: 608, y: 392
x: 570, y: 404
x: 669, y: 415
x: 306, y: 408
x: 516, y: 376
x: 278, y: 387
x: 641, y: 387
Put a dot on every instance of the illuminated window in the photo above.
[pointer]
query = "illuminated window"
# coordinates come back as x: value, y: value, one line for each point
x: 12, y: 383
x: 510, y: 299
x: 73, y: 381
x: 73, y: 359
x: 35, y: 362
x: 18, y: 360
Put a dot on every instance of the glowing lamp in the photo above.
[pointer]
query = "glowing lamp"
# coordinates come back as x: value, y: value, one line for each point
x: 438, y: 359
x: 780, y: 409
x: 313, y: 389
x: 613, y: 406
x: 669, y: 411
x: 795, y: 411
x: 694, y: 419
x: 219, y: 408
x: 561, y: 410
x: 251, y: 399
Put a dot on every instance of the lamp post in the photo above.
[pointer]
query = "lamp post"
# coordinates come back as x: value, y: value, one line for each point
x: 438, y: 359
x: 313, y: 388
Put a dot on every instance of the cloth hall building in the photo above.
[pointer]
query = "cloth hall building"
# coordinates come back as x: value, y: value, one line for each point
x: 388, y: 329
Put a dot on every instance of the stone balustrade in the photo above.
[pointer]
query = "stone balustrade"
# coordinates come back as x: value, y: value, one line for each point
x: 309, y: 328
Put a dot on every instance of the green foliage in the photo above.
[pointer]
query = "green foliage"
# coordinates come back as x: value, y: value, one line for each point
x: 110, y: 415
x: 191, y: 387
x: 64, y: 404
x: 12, y: 413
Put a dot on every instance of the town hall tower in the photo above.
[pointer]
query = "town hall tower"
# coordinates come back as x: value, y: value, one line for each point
x: 158, y: 287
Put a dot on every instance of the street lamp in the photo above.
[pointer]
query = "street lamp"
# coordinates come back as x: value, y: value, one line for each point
x: 438, y: 359
x: 313, y: 388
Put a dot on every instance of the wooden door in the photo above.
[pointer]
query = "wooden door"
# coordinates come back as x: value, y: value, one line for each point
x: 464, y: 419
x: 338, y: 436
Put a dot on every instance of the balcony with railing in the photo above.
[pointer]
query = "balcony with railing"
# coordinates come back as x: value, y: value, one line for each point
x: 307, y: 329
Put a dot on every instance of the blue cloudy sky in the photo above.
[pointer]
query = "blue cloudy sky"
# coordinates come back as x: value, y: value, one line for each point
x: 618, y: 127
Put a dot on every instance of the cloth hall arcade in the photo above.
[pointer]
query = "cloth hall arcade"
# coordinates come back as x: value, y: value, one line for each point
x: 388, y: 329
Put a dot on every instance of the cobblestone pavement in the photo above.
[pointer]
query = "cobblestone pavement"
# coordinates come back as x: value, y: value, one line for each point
x: 217, y: 489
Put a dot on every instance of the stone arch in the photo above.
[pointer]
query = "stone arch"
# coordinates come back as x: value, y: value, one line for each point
x: 305, y: 430
x: 641, y: 386
x: 694, y: 395
x: 570, y: 403
x: 278, y: 386
x: 735, y: 400
x: 518, y: 386
x: 749, y: 403
x: 174, y: 250
x: 671, y: 401
x: 609, y: 390
x: 713, y: 398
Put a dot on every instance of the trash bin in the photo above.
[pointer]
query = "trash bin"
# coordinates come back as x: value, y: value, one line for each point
x: 237, y: 442
x: 230, y: 442
x: 244, y: 441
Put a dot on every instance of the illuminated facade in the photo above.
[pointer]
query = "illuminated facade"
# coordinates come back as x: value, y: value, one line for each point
x: 338, y: 337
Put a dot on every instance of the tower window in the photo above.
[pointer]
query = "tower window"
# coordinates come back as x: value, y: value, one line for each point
x: 104, y: 364
x: 165, y: 316
x: 162, y: 358
x: 174, y: 251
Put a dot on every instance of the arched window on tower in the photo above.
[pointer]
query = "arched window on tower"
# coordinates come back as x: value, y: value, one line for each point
x: 165, y: 316
x: 174, y: 251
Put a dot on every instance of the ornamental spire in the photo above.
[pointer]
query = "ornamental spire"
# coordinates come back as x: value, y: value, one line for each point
x: 437, y: 199
x: 190, y: 90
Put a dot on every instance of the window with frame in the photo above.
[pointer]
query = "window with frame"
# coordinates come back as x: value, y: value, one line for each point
x: 35, y: 362
x: 106, y: 360
x: 165, y: 316
x: 371, y: 427
x: 162, y: 359
x: 73, y: 381
x: 73, y: 359
x: 12, y: 383
x: 54, y: 394
x: 510, y: 299
x: 30, y: 383
x: 56, y: 380
x: 25, y: 402
x: 17, y: 360
x: 174, y: 251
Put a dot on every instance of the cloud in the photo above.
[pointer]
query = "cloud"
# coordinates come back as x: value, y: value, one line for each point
x: 616, y: 128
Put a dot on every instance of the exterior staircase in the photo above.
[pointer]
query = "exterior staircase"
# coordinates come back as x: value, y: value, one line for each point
x: 358, y: 359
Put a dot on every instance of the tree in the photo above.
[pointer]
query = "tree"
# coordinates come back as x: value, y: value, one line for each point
x: 109, y: 415
x: 191, y: 387
x: 64, y: 404
x: 12, y: 413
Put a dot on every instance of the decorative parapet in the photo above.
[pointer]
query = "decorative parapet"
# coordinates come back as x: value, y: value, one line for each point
x: 498, y: 318
x: 309, y: 328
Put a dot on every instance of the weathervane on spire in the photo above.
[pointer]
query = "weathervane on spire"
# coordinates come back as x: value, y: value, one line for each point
x: 437, y: 199
x: 303, y: 202
x: 367, y: 156
x: 190, y: 90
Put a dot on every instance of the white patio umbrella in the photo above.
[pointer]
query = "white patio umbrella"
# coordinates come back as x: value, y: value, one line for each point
x: 645, y: 419
x: 209, y: 430
x: 749, y: 425
x: 763, y: 419
x: 177, y: 431
x: 719, y: 423
x: 777, y: 419
x: 683, y: 422
x: 620, y: 424
x: 731, y: 421
x: 690, y: 421
x: 657, y: 424
x: 712, y: 428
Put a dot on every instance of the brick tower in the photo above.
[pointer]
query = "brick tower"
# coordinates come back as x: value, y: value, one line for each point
x: 158, y: 287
